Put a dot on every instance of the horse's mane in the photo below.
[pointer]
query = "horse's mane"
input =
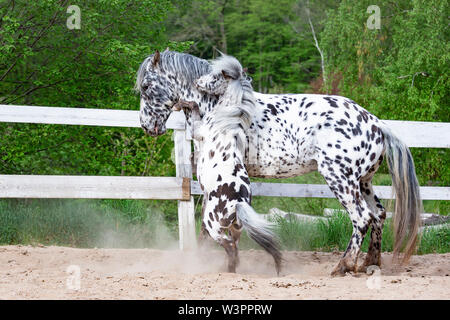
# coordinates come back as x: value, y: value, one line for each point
x: 185, y: 66
x: 234, y: 111
x: 236, y: 115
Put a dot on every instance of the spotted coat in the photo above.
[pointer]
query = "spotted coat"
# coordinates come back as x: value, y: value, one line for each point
x: 293, y: 134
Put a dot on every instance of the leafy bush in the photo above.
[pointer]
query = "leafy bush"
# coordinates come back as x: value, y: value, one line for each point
x: 397, y: 72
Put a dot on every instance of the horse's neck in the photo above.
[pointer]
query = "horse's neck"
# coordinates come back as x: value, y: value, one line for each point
x: 215, y: 128
x: 206, y: 103
x: 227, y: 100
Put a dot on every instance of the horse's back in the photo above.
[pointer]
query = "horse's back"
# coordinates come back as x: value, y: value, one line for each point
x: 292, y: 132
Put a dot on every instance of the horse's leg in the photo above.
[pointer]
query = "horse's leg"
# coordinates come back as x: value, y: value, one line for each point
x: 203, y: 232
x: 218, y: 233
x: 236, y: 229
x: 361, y: 218
x: 230, y: 247
x: 349, y: 195
x: 373, y: 256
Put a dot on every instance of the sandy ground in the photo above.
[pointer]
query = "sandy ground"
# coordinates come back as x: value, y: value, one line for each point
x: 51, y: 273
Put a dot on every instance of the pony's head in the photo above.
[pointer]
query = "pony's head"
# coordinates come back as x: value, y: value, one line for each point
x: 157, y: 95
x: 160, y: 79
x: 225, y: 70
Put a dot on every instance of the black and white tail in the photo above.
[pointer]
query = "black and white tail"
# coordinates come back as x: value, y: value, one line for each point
x: 260, y: 230
x: 408, y: 205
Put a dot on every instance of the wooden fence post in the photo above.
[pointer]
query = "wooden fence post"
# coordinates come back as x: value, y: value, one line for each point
x: 186, y: 209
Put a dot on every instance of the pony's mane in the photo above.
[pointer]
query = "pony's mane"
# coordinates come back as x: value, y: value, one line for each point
x: 234, y: 111
x: 185, y: 66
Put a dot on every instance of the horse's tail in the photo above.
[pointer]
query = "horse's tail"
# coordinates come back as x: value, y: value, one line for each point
x: 408, y: 205
x: 260, y: 231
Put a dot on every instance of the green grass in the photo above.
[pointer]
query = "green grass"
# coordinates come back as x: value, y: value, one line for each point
x: 336, y: 232
x: 140, y: 223
x: 435, y: 241
x: 84, y: 223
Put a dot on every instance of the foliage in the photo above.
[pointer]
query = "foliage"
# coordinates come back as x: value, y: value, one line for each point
x: 84, y: 223
x: 267, y: 36
x: 42, y: 62
x: 397, y: 72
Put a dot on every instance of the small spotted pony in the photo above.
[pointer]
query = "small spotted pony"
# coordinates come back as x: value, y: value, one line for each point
x: 221, y: 137
x: 293, y: 134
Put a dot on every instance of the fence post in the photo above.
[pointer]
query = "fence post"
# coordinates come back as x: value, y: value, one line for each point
x: 186, y: 209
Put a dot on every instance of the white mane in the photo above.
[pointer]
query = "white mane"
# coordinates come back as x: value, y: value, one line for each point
x: 235, y: 108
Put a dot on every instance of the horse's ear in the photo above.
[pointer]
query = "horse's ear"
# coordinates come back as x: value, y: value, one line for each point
x: 226, y: 75
x: 156, y: 59
x: 167, y: 50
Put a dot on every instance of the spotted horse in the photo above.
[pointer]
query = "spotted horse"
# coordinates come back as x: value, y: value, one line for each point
x: 222, y: 142
x: 293, y: 134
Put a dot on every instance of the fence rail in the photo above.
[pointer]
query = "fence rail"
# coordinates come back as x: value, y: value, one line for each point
x: 163, y: 188
x: 413, y: 133
x: 94, y: 187
x: 294, y: 190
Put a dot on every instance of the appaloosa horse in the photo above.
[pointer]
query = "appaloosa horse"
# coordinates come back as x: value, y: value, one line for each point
x: 222, y: 142
x: 292, y: 134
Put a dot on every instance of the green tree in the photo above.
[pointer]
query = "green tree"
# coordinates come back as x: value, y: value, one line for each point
x: 42, y: 62
x: 397, y: 72
x: 270, y: 38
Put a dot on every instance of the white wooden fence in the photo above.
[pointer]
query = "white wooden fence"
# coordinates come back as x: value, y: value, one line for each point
x: 182, y: 187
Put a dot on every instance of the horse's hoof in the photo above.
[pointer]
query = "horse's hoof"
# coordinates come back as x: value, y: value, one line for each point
x: 338, y: 272
x: 341, y: 269
x: 362, y: 268
x: 369, y: 261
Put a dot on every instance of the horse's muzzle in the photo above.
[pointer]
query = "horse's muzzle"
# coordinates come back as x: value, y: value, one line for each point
x: 154, y: 131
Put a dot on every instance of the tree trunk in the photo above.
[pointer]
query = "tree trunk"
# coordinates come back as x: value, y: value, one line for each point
x: 316, y: 43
